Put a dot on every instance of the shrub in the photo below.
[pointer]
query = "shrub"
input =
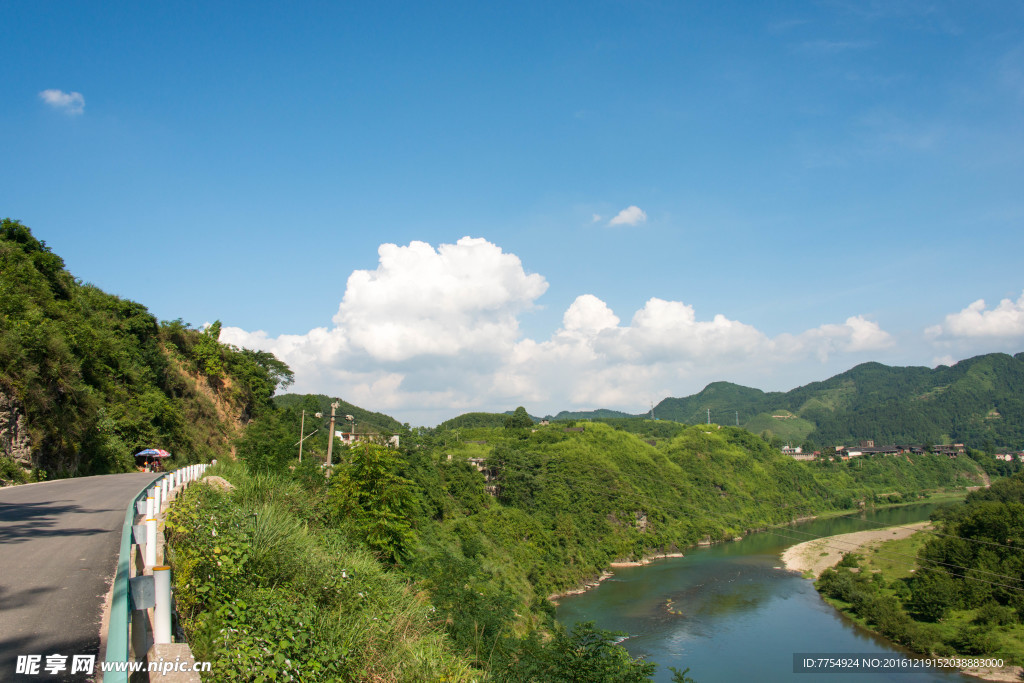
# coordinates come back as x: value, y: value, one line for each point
x: 11, y: 471
x: 995, y: 614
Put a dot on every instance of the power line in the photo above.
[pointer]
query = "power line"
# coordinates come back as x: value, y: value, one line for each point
x: 913, y: 563
x: 853, y: 517
x: 914, y: 559
x: 939, y: 533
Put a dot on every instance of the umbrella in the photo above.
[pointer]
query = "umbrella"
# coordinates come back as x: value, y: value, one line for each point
x: 154, y: 452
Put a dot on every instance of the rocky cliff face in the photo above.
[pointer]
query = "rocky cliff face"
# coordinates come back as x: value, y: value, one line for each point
x: 14, y: 440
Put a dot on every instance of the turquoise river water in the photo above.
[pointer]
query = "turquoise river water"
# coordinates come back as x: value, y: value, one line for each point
x: 742, y: 616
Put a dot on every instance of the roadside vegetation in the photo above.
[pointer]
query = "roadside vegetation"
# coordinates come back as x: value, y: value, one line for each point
x: 284, y: 578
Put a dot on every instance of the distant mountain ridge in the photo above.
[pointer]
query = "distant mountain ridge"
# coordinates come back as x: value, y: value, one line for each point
x: 365, y: 419
x: 978, y: 401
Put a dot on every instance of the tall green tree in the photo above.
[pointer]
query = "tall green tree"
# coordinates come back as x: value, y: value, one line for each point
x: 519, y: 419
x: 370, y: 494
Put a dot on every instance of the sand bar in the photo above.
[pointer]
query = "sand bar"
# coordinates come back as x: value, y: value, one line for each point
x: 818, y: 555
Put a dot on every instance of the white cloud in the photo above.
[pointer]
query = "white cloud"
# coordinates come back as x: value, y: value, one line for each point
x: 434, y: 332
x: 855, y: 335
x: 588, y: 314
x: 631, y: 215
x: 592, y: 361
x: 463, y: 297
x: 70, y: 102
x: 1005, y: 320
x: 671, y: 327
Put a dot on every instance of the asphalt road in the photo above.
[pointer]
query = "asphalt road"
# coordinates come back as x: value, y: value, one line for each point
x: 59, y: 543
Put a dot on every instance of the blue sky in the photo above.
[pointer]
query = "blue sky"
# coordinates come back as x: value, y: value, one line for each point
x: 588, y: 205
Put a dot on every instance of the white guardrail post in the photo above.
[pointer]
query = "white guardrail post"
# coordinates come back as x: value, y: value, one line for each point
x: 150, y: 556
x: 162, y: 604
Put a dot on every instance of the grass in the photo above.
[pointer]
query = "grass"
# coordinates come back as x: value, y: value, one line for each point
x: 300, y: 590
x: 895, y: 558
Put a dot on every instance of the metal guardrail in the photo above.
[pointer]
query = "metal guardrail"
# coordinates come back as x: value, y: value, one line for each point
x: 118, y: 630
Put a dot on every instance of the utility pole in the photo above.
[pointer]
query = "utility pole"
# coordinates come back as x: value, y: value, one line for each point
x: 330, y: 444
x: 737, y: 418
x: 302, y: 432
x: 709, y: 415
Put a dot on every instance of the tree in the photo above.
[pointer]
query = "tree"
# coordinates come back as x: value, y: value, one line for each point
x: 266, y: 445
x: 519, y: 419
x: 372, y: 495
x: 933, y: 593
x: 584, y: 654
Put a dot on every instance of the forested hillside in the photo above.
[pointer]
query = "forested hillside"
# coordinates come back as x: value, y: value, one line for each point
x: 318, y: 403
x: 979, y: 402
x: 473, y: 420
x: 88, y: 378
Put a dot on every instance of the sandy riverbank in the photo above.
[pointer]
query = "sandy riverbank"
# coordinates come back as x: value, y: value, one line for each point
x: 818, y: 555
x: 645, y: 561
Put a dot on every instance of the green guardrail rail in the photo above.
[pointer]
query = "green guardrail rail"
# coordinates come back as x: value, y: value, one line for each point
x: 119, y: 629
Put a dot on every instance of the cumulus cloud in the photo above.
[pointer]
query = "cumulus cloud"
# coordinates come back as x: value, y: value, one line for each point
x: 855, y: 335
x: 976, y: 321
x: 70, y: 102
x: 459, y: 298
x: 588, y: 314
x: 593, y: 361
x: 631, y: 215
x: 432, y: 332
x: 663, y: 328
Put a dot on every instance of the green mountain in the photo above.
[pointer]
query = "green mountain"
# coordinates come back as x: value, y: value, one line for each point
x: 600, y: 414
x: 474, y: 420
x: 88, y: 378
x: 979, y: 401
x: 722, y: 399
x: 319, y: 403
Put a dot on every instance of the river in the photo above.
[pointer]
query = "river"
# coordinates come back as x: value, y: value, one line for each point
x: 740, y: 616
